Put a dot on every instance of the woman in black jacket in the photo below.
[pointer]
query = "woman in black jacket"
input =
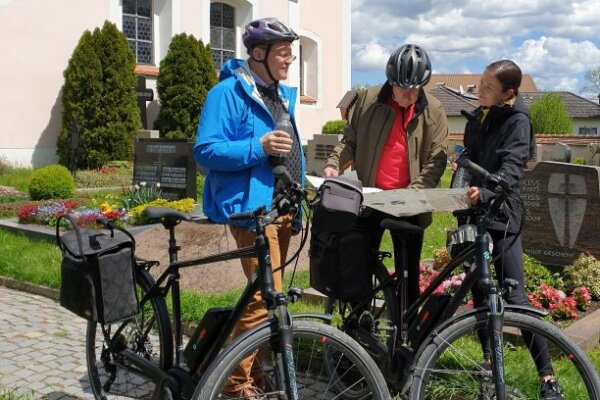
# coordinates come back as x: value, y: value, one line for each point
x: 499, y: 137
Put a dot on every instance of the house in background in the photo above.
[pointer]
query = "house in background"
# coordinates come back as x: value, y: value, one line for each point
x: 584, y: 113
x: 37, y: 47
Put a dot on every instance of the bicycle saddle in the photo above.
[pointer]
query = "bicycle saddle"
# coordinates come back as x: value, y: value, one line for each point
x: 165, y: 212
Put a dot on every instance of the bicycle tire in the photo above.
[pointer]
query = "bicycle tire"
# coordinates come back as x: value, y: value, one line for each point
x: 140, y: 335
x: 374, y: 323
x: 451, y: 366
x: 316, y: 345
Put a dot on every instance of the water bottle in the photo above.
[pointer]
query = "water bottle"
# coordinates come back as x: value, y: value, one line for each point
x: 461, y: 177
x: 283, y: 124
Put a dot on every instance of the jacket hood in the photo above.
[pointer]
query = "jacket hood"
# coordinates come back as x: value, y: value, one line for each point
x: 228, y: 69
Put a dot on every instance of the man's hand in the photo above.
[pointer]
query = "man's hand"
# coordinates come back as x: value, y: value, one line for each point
x: 329, y: 171
x: 473, y: 193
x: 276, y: 142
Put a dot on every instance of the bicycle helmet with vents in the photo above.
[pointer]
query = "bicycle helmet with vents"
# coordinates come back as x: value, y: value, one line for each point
x: 267, y: 31
x: 408, y: 67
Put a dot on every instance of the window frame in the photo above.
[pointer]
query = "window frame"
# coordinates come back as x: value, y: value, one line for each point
x: 135, y: 40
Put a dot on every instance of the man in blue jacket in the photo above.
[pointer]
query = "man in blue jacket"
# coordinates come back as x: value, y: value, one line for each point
x: 238, y: 143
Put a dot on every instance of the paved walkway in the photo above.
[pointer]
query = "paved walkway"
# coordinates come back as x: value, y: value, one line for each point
x: 42, y: 348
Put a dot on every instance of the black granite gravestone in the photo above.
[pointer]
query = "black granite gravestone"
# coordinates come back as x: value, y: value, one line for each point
x: 143, y: 95
x: 562, y: 217
x: 169, y: 162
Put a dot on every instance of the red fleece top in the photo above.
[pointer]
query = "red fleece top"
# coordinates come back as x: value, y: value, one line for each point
x: 392, y: 172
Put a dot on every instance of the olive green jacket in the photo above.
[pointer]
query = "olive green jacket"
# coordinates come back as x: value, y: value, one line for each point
x: 365, y: 135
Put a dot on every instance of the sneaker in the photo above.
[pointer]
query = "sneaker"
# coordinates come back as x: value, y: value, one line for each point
x: 550, y: 390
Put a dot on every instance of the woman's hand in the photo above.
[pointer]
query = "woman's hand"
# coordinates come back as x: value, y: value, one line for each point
x: 329, y: 171
x: 473, y: 193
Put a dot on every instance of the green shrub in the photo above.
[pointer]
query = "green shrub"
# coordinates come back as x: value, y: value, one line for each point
x: 186, y: 75
x: 335, y: 127
x: 549, y: 115
x: 580, y: 161
x: 536, y: 274
x: 585, y: 271
x: 51, y: 182
x: 99, y: 102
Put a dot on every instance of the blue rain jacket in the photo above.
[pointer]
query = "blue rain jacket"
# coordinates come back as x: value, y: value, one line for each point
x: 233, y: 120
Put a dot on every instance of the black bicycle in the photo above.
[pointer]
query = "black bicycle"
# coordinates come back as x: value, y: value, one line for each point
x: 427, y: 350
x: 299, y: 359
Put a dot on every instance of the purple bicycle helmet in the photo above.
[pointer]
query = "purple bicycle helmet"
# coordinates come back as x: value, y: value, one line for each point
x: 408, y: 67
x: 267, y: 31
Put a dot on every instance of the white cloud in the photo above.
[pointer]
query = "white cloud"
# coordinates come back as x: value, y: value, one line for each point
x: 371, y: 56
x: 555, y: 41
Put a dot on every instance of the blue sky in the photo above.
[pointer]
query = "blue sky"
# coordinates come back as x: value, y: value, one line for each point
x: 555, y: 41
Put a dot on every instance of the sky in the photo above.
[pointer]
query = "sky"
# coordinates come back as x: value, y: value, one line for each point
x: 555, y: 41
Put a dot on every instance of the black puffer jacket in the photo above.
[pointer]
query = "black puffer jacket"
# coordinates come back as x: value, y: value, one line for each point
x: 502, y: 144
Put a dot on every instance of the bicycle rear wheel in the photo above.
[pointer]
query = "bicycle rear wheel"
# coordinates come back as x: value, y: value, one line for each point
x: 452, y: 365
x: 317, y: 348
x: 373, y: 321
x: 148, y: 335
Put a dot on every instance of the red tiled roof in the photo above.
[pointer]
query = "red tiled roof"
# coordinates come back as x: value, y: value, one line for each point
x: 470, y: 82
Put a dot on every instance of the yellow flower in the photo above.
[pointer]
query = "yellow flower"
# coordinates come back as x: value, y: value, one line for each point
x: 105, y: 208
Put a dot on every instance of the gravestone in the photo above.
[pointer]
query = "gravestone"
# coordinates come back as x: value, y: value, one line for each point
x: 142, y: 94
x: 561, y: 153
x: 562, y: 218
x: 169, y: 162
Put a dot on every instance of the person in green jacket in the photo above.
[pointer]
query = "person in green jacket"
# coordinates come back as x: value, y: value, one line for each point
x: 397, y: 137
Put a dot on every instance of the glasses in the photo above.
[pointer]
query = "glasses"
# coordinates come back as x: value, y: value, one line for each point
x: 287, y: 57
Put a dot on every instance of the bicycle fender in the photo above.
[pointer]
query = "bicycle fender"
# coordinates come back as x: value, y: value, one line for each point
x: 322, y: 317
x: 517, y: 309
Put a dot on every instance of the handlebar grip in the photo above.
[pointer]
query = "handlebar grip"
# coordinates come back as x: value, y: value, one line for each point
x: 474, y: 168
x: 243, y: 216
x: 105, y: 222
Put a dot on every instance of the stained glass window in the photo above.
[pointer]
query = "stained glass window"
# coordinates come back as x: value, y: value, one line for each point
x: 222, y: 33
x: 137, y: 27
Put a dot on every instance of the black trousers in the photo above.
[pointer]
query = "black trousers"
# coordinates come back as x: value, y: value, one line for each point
x: 412, y: 248
x: 509, y: 264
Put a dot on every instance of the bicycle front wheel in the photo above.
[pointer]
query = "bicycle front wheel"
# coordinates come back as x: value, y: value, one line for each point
x: 328, y: 365
x: 148, y: 335
x: 452, y: 365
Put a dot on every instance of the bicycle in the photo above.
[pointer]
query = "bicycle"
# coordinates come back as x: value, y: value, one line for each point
x: 429, y: 351
x: 136, y: 358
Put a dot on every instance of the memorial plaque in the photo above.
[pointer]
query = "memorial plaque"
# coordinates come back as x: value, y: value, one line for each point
x: 169, y: 162
x: 562, y: 218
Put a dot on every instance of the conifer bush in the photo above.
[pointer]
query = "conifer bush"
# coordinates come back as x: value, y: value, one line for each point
x: 99, y: 100
x: 51, y: 182
x: 186, y: 75
x: 334, y: 127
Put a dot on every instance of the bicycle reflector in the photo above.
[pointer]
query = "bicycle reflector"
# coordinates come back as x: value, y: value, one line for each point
x: 462, y: 237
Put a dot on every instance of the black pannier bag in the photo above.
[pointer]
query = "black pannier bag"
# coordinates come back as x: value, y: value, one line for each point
x: 340, y: 263
x: 98, y: 274
x: 338, y: 204
x: 339, y: 250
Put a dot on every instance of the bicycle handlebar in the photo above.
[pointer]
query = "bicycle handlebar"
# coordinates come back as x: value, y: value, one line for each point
x: 493, y: 181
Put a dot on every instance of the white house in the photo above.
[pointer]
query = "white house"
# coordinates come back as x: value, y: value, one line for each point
x: 38, y: 38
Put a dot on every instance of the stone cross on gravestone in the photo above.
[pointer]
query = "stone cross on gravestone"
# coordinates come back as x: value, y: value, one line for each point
x: 143, y: 95
x: 562, y: 218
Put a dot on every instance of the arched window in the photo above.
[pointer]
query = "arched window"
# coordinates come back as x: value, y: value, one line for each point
x: 309, y: 70
x: 137, y: 27
x: 222, y: 33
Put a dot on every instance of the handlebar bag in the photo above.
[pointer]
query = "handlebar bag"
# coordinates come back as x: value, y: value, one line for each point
x: 98, y: 274
x: 338, y: 204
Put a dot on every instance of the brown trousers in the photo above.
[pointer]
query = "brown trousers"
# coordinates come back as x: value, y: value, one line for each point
x: 278, y: 234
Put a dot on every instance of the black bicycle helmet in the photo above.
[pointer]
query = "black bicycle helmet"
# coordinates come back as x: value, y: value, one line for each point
x: 267, y: 31
x: 408, y: 67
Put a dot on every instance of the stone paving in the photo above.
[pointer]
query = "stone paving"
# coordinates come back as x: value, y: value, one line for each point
x: 42, y: 348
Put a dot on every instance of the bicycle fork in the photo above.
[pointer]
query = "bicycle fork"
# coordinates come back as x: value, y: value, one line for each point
x: 495, y: 325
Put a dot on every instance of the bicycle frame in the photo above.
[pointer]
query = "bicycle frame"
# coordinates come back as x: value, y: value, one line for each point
x: 276, y: 304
